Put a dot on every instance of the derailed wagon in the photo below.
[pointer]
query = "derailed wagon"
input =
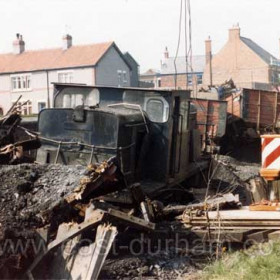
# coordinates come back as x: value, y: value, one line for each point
x: 259, y: 109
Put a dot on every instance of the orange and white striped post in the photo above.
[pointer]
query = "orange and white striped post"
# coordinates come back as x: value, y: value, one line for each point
x: 270, y: 157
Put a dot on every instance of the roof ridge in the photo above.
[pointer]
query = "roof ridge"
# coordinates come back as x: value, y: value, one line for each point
x: 55, y: 58
x: 182, y: 56
x: 60, y: 48
x: 257, y: 49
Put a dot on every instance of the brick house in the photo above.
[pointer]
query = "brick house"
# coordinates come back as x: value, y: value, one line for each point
x: 243, y: 61
x: 187, y: 76
x: 31, y: 73
x: 181, y: 77
x: 150, y: 79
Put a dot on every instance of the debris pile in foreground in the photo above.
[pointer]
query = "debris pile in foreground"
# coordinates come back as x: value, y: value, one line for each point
x: 68, y: 209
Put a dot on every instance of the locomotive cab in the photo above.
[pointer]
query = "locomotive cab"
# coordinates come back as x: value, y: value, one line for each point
x: 152, y: 133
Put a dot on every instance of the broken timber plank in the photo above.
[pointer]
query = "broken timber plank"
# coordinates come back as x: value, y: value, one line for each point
x: 242, y: 214
x: 105, y: 236
x: 234, y: 222
x: 76, y: 229
x: 65, y: 234
x: 226, y: 199
x: 135, y: 221
x: 258, y: 189
x: 238, y: 227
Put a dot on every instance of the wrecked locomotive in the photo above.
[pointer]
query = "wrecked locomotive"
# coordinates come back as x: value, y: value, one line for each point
x: 152, y: 133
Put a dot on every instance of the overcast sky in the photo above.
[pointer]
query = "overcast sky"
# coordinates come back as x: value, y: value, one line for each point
x: 142, y: 27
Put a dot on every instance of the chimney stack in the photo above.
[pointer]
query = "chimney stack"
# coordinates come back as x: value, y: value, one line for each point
x: 234, y: 32
x: 166, y: 53
x: 18, y: 44
x: 67, y: 42
x: 208, y: 49
x: 208, y: 58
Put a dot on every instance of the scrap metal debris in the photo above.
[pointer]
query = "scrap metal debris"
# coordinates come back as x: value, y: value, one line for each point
x: 11, y: 150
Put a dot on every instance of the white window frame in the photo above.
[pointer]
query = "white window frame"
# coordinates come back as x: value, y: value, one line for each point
x: 26, y: 109
x: 124, y: 76
x: 66, y: 72
x: 119, y: 72
x: 161, y: 99
x: 21, y: 82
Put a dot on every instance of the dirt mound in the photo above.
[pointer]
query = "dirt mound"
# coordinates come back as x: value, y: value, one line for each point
x: 27, y: 191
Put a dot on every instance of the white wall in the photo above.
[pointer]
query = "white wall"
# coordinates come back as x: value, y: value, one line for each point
x: 5, y: 97
x: 39, y: 88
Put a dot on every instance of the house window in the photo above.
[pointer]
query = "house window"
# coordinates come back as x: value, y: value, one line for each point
x: 25, y: 108
x: 124, y: 77
x: 199, y: 78
x: 158, y: 82
x: 65, y: 77
x: 190, y: 79
x: 41, y: 106
x: 21, y: 82
x: 119, y: 77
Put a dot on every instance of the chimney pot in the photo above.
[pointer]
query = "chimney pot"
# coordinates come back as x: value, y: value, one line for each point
x: 18, y: 44
x: 166, y: 53
x: 67, y: 42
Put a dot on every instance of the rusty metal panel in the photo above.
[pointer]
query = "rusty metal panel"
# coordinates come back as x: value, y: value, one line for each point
x: 234, y: 105
x: 211, y: 117
x: 260, y: 108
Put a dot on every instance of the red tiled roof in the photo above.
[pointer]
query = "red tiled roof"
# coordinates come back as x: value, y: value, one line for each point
x: 75, y: 56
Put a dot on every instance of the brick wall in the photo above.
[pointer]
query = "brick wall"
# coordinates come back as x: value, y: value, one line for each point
x: 237, y: 61
x: 168, y: 81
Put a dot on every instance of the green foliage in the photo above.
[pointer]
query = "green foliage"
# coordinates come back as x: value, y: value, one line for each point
x: 260, y: 262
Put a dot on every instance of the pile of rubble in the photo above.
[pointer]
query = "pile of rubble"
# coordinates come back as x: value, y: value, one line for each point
x: 230, y: 175
x: 28, y: 192
x: 68, y: 209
